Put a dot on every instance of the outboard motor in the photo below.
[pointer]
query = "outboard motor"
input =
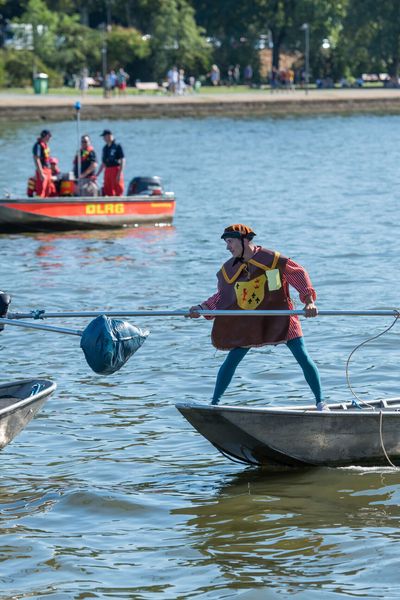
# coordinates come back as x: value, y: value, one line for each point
x: 145, y: 186
x: 5, y: 300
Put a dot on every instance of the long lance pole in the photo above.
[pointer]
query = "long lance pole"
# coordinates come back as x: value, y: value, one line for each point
x: 40, y: 326
x: 41, y: 314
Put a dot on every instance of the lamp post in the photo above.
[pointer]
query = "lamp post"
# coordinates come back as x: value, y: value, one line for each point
x: 306, y: 28
x: 104, y: 60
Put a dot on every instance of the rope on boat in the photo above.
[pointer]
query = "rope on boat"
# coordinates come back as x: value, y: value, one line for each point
x: 374, y: 337
x: 381, y: 438
x: 360, y: 400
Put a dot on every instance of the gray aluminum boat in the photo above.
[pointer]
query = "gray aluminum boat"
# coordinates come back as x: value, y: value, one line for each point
x: 302, y: 436
x: 19, y: 403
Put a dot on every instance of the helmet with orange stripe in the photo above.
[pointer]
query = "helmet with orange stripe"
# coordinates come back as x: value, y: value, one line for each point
x: 239, y: 231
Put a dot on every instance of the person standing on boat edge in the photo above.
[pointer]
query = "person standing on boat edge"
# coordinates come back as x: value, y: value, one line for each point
x: 113, y: 162
x: 41, y: 159
x: 257, y: 278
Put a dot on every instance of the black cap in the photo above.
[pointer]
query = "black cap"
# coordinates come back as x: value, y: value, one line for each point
x: 44, y: 133
x: 106, y: 132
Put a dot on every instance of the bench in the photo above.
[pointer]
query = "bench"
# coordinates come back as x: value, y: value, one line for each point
x: 147, y: 86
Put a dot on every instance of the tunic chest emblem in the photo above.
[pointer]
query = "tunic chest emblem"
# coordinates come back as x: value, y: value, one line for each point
x: 249, y: 294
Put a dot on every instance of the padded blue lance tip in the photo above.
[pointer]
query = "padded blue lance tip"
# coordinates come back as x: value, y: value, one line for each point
x: 109, y: 343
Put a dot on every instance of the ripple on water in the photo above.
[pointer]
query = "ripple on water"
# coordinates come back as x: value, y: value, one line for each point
x: 109, y: 493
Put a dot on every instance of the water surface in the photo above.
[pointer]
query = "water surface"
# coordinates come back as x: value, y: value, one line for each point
x: 109, y: 493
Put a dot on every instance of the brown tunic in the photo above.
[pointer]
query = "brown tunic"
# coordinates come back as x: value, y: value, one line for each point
x: 257, y: 284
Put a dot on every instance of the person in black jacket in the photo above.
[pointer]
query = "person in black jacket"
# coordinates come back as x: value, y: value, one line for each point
x: 113, y: 162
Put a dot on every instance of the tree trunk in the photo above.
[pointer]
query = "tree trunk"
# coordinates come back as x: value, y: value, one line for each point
x: 84, y: 14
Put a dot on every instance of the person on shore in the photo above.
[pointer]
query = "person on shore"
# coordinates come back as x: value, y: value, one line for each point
x: 172, y: 79
x: 122, y: 81
x: 230, y: 79
x: 113, y: 162
x: 215, y: 75
x: 248, y: 75
x: 236, y: 74
x: 85, y: 173
x: 41, y: 159
x: 181, y: 86
x: 258, y: 278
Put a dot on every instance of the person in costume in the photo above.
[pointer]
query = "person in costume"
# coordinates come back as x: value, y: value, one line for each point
x: 258, y: 278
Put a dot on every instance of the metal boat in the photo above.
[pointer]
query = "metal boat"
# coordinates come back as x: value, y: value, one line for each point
x: 68, y: 213
x: 19, y: 403
x: 301, y: 436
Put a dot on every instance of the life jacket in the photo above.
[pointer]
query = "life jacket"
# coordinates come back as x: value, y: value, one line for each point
x: 85, y: 155
x: 45, y: 156
x: 30, y: 191
x: 259, y: 284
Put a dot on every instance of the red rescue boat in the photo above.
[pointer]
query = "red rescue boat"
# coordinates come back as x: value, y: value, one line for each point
x: 146, y: 203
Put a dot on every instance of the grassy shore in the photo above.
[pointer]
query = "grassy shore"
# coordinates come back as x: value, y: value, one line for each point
x: 238, y: 101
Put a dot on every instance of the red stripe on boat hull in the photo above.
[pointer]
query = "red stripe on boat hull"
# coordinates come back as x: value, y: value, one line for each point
x: 84, y: 213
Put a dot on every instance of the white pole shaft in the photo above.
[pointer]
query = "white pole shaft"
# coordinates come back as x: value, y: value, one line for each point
x: 78, y: 131
x: 40, y: 326
x: 214, y: 313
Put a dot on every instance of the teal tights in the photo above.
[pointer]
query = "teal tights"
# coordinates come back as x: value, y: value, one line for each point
x: 297, y: 348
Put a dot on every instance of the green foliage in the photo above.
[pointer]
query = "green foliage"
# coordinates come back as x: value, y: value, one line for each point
x: 60, y: 42
x: 234, y: 29
x: 19, y: 66
x: 3, y: 72
x: 76, y: 46
x: 176, y: 39
x: 43, y: 23
x: 147, y: 37
x: 371, y: 36
x: 124, y: 47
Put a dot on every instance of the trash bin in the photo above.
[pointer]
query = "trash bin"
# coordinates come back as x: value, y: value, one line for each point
x: 41, y: 83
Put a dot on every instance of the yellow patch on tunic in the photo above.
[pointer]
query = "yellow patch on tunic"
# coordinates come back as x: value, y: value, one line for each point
x: 249, y: 294
x: 274, y: 280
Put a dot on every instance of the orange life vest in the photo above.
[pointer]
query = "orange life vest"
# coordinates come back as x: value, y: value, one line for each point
x: 30, y: 191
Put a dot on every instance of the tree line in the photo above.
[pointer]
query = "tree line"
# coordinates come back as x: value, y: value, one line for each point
x: 146, y: 37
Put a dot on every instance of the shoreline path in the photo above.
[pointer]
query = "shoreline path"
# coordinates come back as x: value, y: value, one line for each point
x: 52, y: 107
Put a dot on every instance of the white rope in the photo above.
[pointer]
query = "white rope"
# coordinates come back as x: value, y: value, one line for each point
x: 397, y: 313
x: 382, y: 444
x: 397, y: 316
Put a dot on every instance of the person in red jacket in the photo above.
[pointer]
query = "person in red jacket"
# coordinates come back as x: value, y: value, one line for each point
x: 41, y: 159
x: 113, y: 162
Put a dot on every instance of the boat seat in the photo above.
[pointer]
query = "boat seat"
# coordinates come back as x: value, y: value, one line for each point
x: 344, y: 406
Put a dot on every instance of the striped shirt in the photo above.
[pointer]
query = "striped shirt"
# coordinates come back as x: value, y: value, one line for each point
x: 298, y: 278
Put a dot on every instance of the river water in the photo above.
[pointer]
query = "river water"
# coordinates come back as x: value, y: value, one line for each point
x: 109, y: 492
